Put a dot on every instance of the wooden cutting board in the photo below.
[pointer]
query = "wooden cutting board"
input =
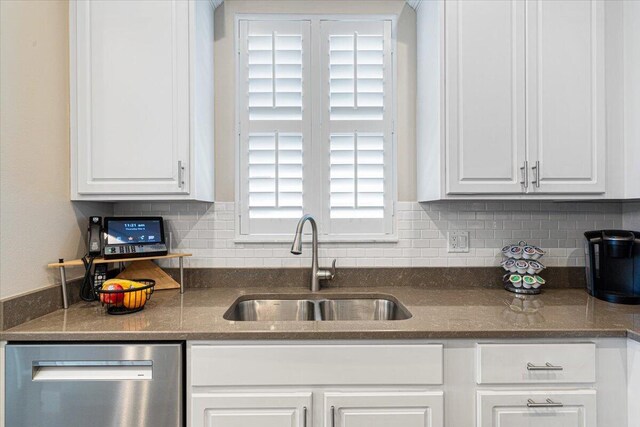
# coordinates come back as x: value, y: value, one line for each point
x: 149, y: 270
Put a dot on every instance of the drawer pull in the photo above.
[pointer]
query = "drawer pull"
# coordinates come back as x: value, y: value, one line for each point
x: 546, y: 367
x: 547, y: 404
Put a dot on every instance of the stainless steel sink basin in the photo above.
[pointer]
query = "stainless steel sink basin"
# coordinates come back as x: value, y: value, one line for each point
x: 325, y: 309
x: 361, y: 309
x: 272, y: 310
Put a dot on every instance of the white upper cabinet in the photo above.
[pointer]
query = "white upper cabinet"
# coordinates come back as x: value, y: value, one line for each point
x: 511, y: 100
x: 485, y: 93
x: 141, y: 100
x: 565, y: 96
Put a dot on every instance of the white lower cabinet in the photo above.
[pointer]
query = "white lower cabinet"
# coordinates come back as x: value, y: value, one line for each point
x: 363, y: 408
x: 2, y: 346
x: 384, y: 409
x: 537, y: 408
x: 414, y: 383
x: 323, y: 384
x: 633, y: 382
x: 250, y: 409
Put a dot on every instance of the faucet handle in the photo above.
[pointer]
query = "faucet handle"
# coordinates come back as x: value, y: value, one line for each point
x: 328, y: 274
x: 333, y: 269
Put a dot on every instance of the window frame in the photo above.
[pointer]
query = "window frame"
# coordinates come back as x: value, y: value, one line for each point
x: 314, y: 205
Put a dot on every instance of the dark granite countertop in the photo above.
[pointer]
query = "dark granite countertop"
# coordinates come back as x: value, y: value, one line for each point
x: 436, y: 313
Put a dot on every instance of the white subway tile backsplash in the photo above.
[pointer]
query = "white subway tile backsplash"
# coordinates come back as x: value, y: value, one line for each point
x: 631, y: 217
x: 207, y: 230
x: 478, y: 236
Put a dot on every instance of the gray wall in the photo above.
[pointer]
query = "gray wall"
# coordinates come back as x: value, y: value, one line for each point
x: 38, y: 223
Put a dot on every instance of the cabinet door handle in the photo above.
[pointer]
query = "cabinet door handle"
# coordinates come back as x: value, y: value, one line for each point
x: 304, y: 416
x: 333, y: 416
x: 525, y: 175
x: 180, y: 174
x: 536, y: 172
x: 546, y: 367
x: 546, y: 404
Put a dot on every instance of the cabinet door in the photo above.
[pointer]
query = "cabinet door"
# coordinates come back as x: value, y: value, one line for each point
x: 384, y: 409
x: 565, y: 96
x: 130, y: 96
x: 250, y: 409
x: 485, y: 95
x: 566, y: 408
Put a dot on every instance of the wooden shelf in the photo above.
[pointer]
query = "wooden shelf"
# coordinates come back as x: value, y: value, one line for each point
x: 100, y: 260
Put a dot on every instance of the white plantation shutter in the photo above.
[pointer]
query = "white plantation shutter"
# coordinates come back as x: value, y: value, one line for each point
x: 275, y: 127
x: 357, y: 127
x: 356, y: 76
x: 315, y: 127
x: 274, y: 74
x: 275, y: 175
x: 356, y: 175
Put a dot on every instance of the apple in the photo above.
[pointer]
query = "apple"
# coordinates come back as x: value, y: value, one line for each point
x: 114, y: 298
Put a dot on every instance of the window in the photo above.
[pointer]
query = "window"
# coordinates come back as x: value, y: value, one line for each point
x: 315, y: 117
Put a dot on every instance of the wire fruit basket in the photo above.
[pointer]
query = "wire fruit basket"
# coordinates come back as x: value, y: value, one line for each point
x: 126, y: 301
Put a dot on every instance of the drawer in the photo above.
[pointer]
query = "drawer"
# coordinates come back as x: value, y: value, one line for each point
x: 535, y: 363
x: 316, y: 364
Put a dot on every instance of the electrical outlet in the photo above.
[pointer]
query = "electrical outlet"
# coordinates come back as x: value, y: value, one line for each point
x: 458, y: 241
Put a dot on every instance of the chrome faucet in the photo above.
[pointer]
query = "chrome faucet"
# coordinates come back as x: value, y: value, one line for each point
x: 317, y: 274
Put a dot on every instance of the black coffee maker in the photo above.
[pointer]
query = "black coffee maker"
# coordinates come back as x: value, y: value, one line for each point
x: 613, y: 265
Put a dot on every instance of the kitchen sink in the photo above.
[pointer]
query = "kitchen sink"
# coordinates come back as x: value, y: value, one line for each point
x: 271, y: 309
x: 361, y: 309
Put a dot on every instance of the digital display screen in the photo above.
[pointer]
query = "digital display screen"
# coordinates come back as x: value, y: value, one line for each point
x: 134, y: 231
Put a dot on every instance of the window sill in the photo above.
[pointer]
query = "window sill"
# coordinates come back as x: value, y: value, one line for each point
x: 278, y: 238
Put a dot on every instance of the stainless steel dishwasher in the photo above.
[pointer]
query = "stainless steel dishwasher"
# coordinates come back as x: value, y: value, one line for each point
x: 100, y: 385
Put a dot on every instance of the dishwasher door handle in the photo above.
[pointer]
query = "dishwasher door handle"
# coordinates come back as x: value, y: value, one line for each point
x: 92, y: 370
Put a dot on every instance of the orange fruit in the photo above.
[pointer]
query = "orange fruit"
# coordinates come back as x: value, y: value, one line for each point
x: 134, y: 299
